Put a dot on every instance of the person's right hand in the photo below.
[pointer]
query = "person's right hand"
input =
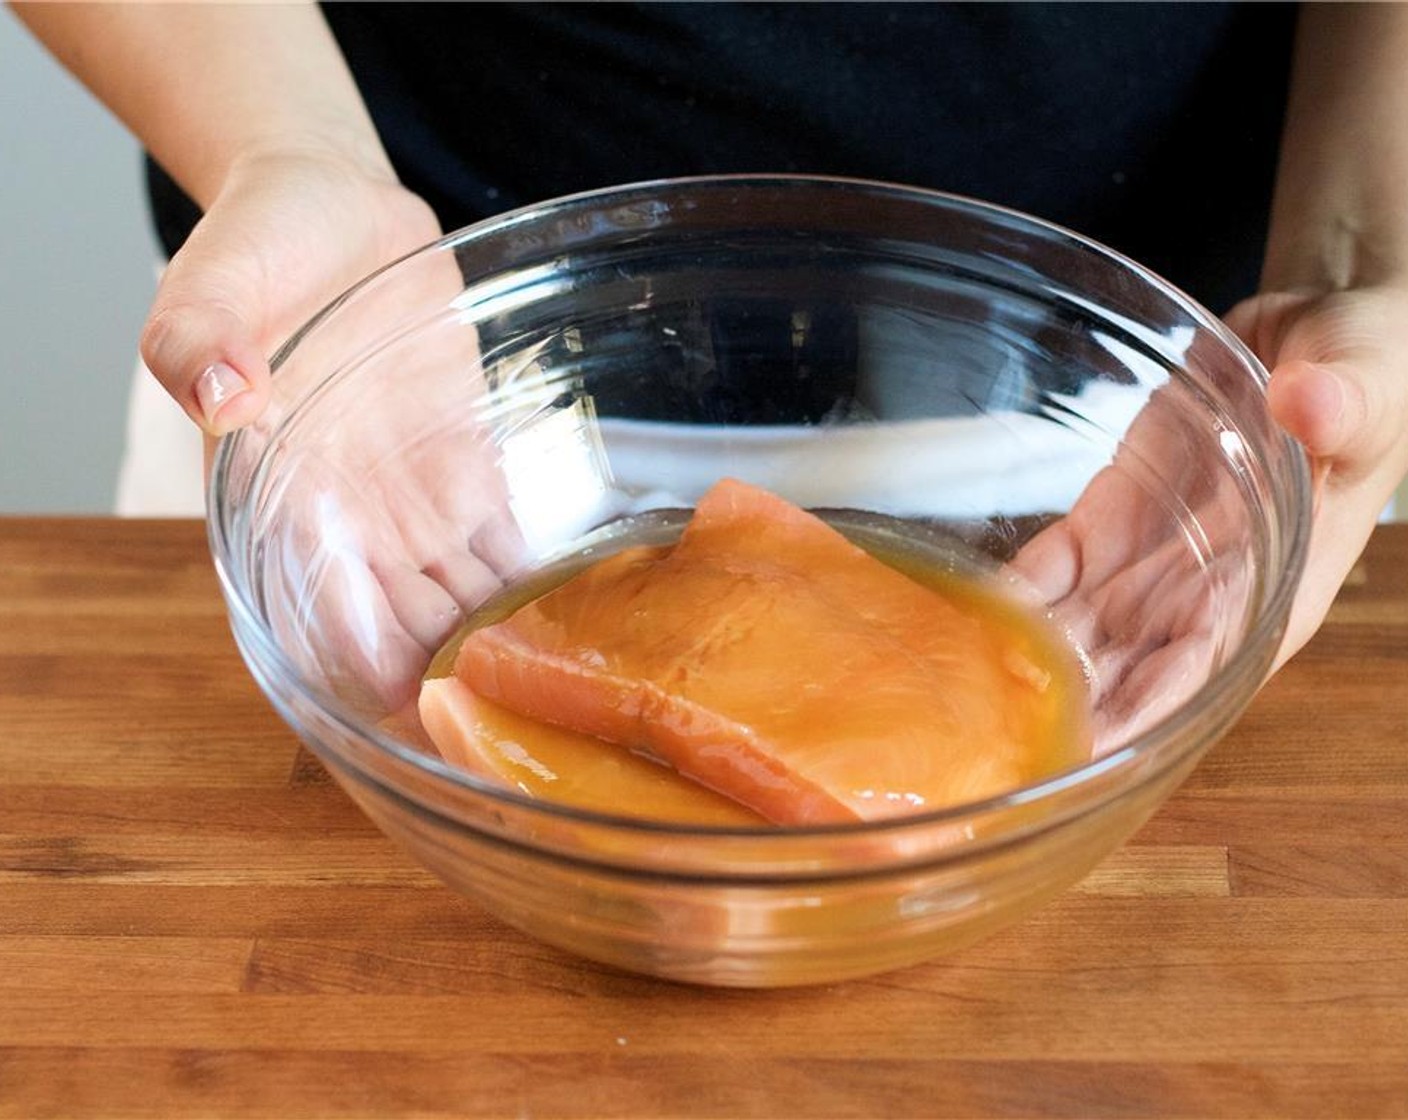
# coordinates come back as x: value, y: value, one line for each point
x: 287, y: 232
x: 387, y: 557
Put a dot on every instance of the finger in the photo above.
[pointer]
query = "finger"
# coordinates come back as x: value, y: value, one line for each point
x: 465, y: 577
x: 363, y: 649
x: 499, y: 543
x: 327, y: 608
x: 199, y: 342
x: 1317, y: 406
x: 1152, y: 688
x: 425, y: 609
x: 337, y: 615
x: 1048, y: 566
x: 1263, y: 320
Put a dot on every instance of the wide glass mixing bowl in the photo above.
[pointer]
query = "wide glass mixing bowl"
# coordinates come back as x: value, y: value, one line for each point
x: 1002, y: 395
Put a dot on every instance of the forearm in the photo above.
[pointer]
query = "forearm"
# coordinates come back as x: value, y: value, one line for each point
x: 1340, y: 217
x: 204, y: 86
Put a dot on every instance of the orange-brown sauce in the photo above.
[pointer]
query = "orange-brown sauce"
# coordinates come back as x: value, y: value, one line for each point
x: 931, y: 686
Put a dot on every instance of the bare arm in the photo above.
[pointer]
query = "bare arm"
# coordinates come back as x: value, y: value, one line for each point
x: 252, y: 110
x: 1332, y: 320
x: 205, y: 85
x: 1341, y: 210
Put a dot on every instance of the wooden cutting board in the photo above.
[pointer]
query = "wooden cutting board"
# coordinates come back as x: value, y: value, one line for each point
x: 195, y: 921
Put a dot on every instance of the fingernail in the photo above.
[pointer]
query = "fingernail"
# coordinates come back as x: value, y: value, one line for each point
x: 217, y: 385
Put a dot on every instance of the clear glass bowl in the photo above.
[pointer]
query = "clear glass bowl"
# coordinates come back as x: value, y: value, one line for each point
x: 1025, y: 402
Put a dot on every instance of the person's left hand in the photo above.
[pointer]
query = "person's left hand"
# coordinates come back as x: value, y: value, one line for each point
x: 1339, y: 384
x: 1136, y: 600
x: 1147, y: 610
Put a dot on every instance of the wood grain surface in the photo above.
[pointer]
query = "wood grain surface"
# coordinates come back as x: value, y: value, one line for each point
x: 195, y: 922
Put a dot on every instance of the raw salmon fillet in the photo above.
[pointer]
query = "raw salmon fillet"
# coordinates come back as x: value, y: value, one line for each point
x: 555, y: 764
x: 769, y: 658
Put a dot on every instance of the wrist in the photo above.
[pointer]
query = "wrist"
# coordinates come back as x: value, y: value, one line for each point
x: 349, y: 148
x: 1347, y: 248
x: 1340, y: 215
x: 206, y: 87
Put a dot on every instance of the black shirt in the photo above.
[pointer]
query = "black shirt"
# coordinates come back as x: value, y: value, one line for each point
x: 1151, y: 127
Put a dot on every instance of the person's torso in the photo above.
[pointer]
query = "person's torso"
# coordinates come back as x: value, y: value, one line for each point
x: 1151, y: 127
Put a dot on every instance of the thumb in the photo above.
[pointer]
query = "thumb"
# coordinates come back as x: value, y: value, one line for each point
x: 1345, y: 412
x: 200, y: 343
x: 1317, y: 404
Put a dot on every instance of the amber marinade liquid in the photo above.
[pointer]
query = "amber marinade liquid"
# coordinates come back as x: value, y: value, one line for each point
x: 548, y: 762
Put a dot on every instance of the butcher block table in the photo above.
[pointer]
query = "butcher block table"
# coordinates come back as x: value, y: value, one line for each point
x: 195, y: 921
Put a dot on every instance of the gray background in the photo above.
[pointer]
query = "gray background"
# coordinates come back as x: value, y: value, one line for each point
x: 76, y: 260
